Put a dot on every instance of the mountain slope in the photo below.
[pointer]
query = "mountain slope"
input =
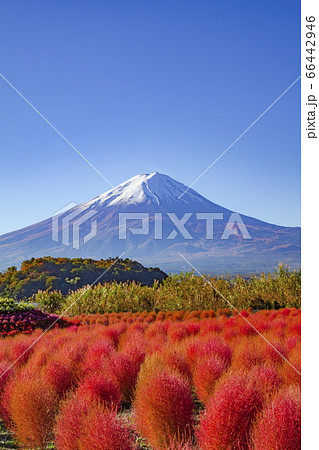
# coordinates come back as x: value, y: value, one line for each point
x: 94, y: 227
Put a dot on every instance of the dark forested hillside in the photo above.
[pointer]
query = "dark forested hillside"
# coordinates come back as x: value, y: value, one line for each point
x: 66, y: 274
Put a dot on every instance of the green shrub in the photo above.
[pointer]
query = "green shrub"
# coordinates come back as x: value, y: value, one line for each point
x: 8, y: 305
x: 180, y: 292
x: 49, y: 302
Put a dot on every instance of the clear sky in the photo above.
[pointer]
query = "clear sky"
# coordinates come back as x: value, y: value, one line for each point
x: 144, y: 86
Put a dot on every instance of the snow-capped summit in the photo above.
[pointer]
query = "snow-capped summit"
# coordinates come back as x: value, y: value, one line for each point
x: 92, y: 229
x: 151, y: 188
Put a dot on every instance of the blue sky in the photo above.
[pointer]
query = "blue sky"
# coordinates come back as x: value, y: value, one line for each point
x: 150, y: 86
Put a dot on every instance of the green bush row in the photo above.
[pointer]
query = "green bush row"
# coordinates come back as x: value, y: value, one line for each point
x: 8, y: 305
x: 180, y: 292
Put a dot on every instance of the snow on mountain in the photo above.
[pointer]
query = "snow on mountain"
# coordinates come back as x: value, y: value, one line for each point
x: 154, y: 188
x: 92, y: 230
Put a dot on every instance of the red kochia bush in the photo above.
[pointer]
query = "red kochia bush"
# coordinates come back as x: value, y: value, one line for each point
x: 163, y: 408
x: 216, y: 347
x: 21, y: 350
x: 177, y: 332
x: 192, y: 327
x: 6, y: 372
x: 60, y: 376
x: 206, y: 374
x: 103, y: 430
x: 82, y: 425
x: 267, y: 378
x: 275, y: 353
x: 32, y: 406
x: 210, y: 326
x: 198, y: 350
x: 69, y: 423
x: 176, y: 361
x: 133, y: 345
x: 101, y: 349
x: 100, y: 389
x: 97, y: 355
x: 5, y: 405
x: 279, y: 425
x: 123, y: 371
x: 230, y: 414
x: 291, y: 374
x: 114, y: 332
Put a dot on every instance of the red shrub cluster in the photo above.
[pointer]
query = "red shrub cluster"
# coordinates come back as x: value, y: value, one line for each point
x: 148, y: 317
x: 60, y: 376
x: 84, y: 425
x: 28, y: 321
x: 230, y: 414
x: 69, y: 423
x: 206, y: 374
x: 279, y: 425
x: 32, y: 407
x: 100, y: 389
x: 205, y: 382
x: 163, y: 408
x: 104, y: 430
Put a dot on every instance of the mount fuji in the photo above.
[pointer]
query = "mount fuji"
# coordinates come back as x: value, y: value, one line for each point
x: 153, y: 218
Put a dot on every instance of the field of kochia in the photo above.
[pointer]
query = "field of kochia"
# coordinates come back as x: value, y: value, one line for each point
x: 175, y: 381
